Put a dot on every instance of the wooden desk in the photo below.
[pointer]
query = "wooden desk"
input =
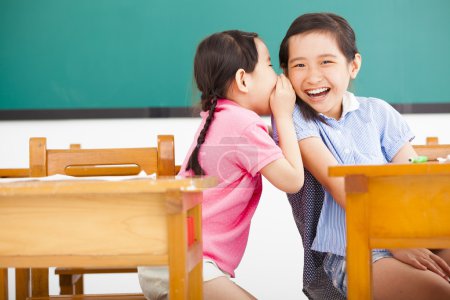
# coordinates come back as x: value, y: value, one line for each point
x: 392, y: 206
x: 115, y: 224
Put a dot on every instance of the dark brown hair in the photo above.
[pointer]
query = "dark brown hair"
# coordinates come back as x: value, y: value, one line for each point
x: 217, y: 59
x: 329, y: 23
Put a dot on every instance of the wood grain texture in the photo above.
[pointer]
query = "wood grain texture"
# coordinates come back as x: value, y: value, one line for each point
x: 105, y: 224
x: 405, y: 206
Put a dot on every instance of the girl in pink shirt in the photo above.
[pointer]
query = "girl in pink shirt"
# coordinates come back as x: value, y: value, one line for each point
x: 233, y: 72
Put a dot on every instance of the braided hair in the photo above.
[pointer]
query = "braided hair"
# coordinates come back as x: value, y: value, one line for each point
x: 217, y: 59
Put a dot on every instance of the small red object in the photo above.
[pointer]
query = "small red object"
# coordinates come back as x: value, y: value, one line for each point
x: 190, y: 231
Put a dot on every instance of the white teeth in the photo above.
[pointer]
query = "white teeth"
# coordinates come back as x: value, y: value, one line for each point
x: 317, y: 91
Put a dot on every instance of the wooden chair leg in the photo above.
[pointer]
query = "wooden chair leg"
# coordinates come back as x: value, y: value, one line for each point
x: 4, y: 284
x: 78, y: 284
x: 22, y: 284
x: 71, y: 284
x: 39, y: 282
x: 196, y: 274
x: 38, y: 286
x: 65, y: 284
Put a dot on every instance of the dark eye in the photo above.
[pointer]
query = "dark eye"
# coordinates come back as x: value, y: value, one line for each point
x: 325, y: 62
x: 299, y: 66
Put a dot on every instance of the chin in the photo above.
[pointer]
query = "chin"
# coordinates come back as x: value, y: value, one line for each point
x: 320, y: 107
x: 264, y: 111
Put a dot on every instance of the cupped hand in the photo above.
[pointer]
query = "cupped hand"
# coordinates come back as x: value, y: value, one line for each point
x: 423, y: 259
x: 282, y: 99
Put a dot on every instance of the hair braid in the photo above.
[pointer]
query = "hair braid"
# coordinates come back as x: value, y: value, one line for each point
x: 217, y: 59
x: 193, y: 163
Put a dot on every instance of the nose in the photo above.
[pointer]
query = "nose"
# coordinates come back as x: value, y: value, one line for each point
x: 314, y: 75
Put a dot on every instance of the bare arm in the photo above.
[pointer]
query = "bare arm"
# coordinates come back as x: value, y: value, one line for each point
x: 405, y: 152
x: 317, y: 158
x: 287, y: 173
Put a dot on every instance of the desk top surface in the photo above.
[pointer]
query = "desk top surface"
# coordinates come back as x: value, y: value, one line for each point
x: 428, y: 168
x: 97, y: 186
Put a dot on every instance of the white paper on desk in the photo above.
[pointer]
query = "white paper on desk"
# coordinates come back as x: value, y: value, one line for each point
x: 59, y: 177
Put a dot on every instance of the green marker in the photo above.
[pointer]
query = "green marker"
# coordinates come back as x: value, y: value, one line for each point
x: 419, y: 159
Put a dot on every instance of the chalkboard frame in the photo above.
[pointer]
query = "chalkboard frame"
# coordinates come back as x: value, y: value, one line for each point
x: 169, y: 112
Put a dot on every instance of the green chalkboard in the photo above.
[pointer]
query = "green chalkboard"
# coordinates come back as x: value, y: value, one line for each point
x: 78, y: 54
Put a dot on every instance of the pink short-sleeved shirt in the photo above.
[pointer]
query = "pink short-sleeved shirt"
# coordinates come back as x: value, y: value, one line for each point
x: 236, y: 148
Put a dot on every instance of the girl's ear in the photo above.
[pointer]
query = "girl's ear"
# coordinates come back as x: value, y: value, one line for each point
x: 355, y: 65
x: 240, y: 80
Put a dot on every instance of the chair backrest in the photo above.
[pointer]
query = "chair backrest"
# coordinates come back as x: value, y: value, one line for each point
x: 24, y: 172
x: 432, y: 149
x: 16, y: 172
x: 100, y: 162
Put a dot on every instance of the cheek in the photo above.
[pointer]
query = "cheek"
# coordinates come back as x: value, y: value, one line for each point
x: 340, y: 77
x: 340, y: 82
x: 295, y: 78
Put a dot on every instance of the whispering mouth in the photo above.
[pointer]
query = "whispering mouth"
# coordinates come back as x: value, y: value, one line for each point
x: 317, y: 92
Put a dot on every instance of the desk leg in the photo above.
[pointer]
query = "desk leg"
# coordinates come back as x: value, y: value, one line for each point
x: 4, y: 284
x: 31, y: 283
x: 177, y: 237
x: 71, y: 284
x: 22, y: 283
x: 39, y: 282
x: 359, y: 259
x: 196, y: 255
x: 196, y: 282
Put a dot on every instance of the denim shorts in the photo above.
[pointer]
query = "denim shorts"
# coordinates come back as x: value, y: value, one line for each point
x: 335, y: 267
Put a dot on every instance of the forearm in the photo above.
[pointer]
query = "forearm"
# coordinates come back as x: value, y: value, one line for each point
x: 288, y: 143
x: 317, y: 158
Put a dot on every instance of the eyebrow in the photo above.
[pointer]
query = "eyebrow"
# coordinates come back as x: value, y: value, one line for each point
x: 303, y: 58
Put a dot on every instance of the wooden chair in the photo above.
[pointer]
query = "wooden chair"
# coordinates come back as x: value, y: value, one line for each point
x: 101, y: 162
x: 89, y: 162
x: 432, y: 149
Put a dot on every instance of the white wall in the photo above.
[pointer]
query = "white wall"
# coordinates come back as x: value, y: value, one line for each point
x: 272, y: 265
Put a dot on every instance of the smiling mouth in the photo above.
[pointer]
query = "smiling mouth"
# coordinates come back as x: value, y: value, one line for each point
x: 317, y: 92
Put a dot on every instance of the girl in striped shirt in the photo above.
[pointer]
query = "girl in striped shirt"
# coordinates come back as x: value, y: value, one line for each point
x: 333, y: 126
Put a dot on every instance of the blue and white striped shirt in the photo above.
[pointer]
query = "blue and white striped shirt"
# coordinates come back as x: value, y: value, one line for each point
x: 370, y: 131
